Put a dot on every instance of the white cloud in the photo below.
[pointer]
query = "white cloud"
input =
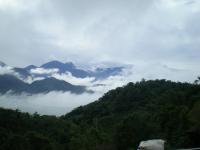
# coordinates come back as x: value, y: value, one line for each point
x: 31, y: 79
x: 68, y: 77
x: 43, y: 71
x: 10, y: 71
x: 118, y: 31
x: 139, y: 71
x: 162, y: 71
x: 6, y: 70
x: 18, y: 6
x: 53, y: 103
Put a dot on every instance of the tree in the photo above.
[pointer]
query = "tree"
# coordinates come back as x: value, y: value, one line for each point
x: 197, y: 81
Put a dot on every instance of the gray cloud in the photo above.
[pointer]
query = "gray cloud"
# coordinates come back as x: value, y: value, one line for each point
x: 91, y: 31
x: 53, y: 103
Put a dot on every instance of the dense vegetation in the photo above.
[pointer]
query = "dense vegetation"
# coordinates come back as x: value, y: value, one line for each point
x: 117, y: 121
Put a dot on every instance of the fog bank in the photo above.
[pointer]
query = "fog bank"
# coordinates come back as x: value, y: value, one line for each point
x: 53, y: 103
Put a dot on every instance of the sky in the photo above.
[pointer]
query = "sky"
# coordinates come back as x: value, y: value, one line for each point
x: 155, y: 38
x: 89, y: 32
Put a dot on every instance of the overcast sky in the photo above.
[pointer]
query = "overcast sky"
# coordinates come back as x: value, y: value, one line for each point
x: 93, y: 31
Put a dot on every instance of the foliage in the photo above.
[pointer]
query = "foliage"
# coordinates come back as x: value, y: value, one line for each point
x: 117, y: 121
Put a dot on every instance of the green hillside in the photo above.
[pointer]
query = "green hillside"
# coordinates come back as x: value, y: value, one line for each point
x: 117, y: 121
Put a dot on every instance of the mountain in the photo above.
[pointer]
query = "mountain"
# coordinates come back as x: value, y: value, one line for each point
x: 2, y: 64
x: 62, y: 68
x: 66, y: 67
x: 46, y: 72
x: 28, y: 68
x: 102, y: 73
x: 56, y: 64
x: 144, y: 110
x: 23, y: 74
x: 9, y: 82
x: 17, y: 86
x: 52, y: 84
x: 119, y: 120
x: 99, y: 73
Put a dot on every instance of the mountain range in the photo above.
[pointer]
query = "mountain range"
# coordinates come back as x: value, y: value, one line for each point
x: 12, y: 84
x: 59, y: 67
x: 33, y: 79
x: 98, y: 73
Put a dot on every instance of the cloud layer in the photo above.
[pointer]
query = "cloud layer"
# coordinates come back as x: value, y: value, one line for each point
x: 43, y: 71
x: 53, y: 103
x: 163, y: 31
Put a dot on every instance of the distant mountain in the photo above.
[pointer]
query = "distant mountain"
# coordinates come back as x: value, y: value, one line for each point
x: 23, y: 74
x: 66, y: 67
x: 2, y: 64
x: 17, y: 86
x: 102, y: 73
x: 28, y: 68
x: 99, y: 73
x: 17, y: 78
x: 56, y: 64
x: 52, y: 84
x: 11, y: 83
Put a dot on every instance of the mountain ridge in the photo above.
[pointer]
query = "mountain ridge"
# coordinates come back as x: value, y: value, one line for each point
x: 55, y: 69
x: 98, y: 73
x: 17, y: 86
x: 153, y: 109
x: 120, y: 120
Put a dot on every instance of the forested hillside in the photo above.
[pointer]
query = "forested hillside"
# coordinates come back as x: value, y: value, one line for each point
x: 117, y: 121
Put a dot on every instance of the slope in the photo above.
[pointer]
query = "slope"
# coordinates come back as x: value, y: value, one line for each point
x: 17, y: 86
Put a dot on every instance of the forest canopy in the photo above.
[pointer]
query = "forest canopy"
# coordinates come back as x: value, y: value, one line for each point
x: 117, y: 121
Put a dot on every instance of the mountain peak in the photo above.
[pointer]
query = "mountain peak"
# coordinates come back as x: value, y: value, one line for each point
x: 2, y: 64
x: 63, y: 67
x: 52, y: 64
x: 70, y: 64
x: 30, y: 67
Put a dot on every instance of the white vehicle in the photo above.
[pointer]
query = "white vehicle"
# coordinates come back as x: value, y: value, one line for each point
x: 156, y: 144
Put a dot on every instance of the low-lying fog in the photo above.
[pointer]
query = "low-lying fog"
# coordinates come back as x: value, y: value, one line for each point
x: 59, y: 103
x: 53, y: 103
